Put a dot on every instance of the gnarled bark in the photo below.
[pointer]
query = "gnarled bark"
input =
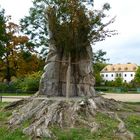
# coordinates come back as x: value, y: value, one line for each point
x: 44, y: 113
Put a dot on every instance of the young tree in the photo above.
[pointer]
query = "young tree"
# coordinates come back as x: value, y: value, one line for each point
x: 137, y: 77
x: 118, y: 82
x: 99, y: 62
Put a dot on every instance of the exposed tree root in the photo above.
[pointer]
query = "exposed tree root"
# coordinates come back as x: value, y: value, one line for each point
x: 45, y: 113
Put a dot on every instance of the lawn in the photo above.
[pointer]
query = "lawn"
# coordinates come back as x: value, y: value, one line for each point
x: 16, y: 94
x: 108, y: 125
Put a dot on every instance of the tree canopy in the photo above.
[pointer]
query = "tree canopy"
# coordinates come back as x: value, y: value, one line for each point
x: 15, y: 50
x: 74, y: 24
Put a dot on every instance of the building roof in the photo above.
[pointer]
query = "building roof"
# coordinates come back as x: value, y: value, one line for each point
x: 120, y: 68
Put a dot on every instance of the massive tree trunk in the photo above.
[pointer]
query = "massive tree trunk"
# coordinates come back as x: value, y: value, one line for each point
x: 55, y: 78
x: 53, y: 81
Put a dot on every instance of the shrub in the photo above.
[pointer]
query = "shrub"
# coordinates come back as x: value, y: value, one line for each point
x: 30, y: 83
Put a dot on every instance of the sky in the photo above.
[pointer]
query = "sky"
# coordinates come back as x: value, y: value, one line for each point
x: 122, y: 48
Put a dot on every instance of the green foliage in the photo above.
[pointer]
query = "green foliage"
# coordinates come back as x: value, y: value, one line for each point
x: 137, y: 77
x: 3, y: 37
x: 73, y: 26
x: 98, y: 66
x: 99, y: 57
x: 118, y: 82
x: 35, y: 25
x: 30, y: 83
x: 11, y: 87
x: 99, y: 62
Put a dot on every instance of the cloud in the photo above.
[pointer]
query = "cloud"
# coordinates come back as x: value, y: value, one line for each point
x: 16, y: 8
x: 124, y: 47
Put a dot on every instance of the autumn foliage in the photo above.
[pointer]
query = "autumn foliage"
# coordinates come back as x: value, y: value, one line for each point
x: 17, y: 56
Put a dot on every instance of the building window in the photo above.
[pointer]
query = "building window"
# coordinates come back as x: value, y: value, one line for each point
x: 120, y: 75
x: 119, y: 68
x: 125, y: 75
x: 102, y: 75
x: 113, y: 69
x: 125, y: 81
x: 126, y: 68
x: 106, y: 69
x: 106, y: 75
x: 111, y: 75
x: 116, y: 74
x: 131, y: 75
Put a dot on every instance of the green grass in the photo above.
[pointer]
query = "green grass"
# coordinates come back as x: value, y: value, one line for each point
x: 8, y: 134
x: 4, y: 114
x: 16, y: 94
x: 17, y: 134
x: 108, y: 127
x: 133, y: 124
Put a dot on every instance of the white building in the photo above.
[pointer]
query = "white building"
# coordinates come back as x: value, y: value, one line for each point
x: 125, y: 71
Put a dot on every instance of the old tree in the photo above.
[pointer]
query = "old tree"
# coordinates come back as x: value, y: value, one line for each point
x: 72, y: 29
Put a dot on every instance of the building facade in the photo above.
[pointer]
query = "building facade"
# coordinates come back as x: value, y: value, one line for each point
x: 125, y: 71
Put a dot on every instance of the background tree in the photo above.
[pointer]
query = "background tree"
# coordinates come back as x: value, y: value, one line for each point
x: 35, y: 27
x: 28, y: 63
x: 118, y: 82
x: 11, y: 47
x: 3, y: 37
x: 136, y: 81
x: 99, y: 62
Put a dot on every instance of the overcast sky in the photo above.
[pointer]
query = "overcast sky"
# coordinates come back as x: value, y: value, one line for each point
x: 123, y: 48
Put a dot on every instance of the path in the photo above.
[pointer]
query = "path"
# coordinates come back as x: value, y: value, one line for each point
x: 123, y: 97
x: 118, y: 97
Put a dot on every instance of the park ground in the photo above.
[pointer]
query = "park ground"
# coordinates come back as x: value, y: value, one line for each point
x: 118, y: 97
x: 130, y: 115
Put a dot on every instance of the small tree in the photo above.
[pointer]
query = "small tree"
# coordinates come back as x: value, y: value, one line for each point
x: 137, y: 77
x: 118, y: 82
x: 99, y: 62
